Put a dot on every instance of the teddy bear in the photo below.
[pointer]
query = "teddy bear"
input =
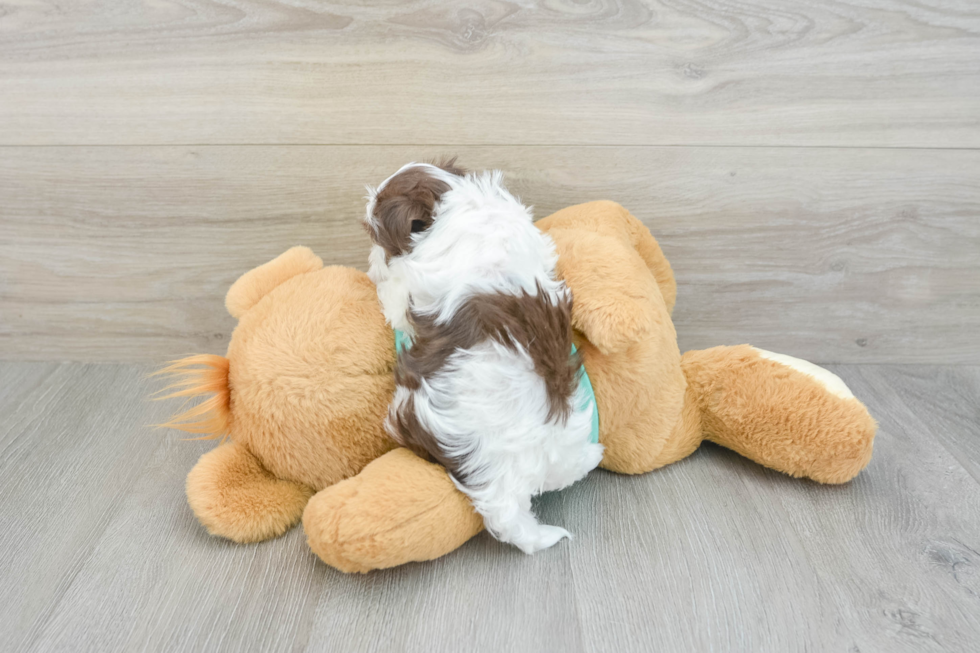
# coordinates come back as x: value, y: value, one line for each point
x: 300, y: 399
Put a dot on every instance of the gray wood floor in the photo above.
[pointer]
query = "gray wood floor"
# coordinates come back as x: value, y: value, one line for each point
x: 99, y: 551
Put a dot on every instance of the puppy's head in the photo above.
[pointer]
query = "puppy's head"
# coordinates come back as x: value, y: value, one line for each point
x: 405, y: 204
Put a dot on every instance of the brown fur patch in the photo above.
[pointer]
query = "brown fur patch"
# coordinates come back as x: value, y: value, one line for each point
x: 405, y: 206
x: 449, y: 165
x: 532, y: 322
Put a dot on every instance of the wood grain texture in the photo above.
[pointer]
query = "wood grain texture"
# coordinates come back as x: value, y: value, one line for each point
x: 795, y: 72
x: 718, y: 553
x: 73, y: 443
x: 834, y: 255
x: 99, y: 551
x: 953, y: 415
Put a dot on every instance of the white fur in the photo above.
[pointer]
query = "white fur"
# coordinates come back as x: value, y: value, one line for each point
x: 487, y: 405
x: 833, y: 383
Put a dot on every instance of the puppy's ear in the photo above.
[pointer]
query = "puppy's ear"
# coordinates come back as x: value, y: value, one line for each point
x: 404, y: 207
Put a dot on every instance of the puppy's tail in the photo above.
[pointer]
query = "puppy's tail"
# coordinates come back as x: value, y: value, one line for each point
x: 198, y: 376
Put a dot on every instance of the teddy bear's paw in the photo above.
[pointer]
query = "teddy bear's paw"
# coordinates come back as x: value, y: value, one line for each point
x: 233, y: 496
x: 833, y: 383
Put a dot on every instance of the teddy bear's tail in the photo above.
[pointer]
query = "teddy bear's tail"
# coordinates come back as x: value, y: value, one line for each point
x: 199, y: 376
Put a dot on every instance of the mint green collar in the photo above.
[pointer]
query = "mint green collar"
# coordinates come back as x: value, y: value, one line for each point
x: 586, y: 385
x: 403, y: 342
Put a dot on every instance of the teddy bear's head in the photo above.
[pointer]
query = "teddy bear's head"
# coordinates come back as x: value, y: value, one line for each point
x: 307, y: 379
x: 310, y: 377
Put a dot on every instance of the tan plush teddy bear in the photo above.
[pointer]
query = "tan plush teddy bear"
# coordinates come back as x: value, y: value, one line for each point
x: 304, y: 389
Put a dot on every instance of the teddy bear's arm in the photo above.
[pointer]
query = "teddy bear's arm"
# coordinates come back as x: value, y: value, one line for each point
x: 613, y: 220
x: 398, y: 509
x: 234, y: 496
x: 616, y: 299
x: 259, y: 282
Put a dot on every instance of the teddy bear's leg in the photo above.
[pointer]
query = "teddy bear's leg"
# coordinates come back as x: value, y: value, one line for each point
x: 779, y: 411
x: 398, y: 509
x: 235, y: 497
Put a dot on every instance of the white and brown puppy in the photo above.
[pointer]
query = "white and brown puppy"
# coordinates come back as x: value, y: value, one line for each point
x: 488, y: 387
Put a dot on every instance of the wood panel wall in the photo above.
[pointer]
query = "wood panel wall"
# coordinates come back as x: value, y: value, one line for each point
x: 811, y: 169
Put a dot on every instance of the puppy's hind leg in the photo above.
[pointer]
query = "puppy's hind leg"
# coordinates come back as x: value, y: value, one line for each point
x: 510, y: 520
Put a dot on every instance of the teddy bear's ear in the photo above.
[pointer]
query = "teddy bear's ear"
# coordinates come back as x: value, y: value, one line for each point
x: 256, y: 284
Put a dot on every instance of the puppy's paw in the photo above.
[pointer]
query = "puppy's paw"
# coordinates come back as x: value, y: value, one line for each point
x: 594, y: 456
x: 545, y: 537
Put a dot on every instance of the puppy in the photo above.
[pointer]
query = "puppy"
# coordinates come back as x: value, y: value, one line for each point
x: 489, y: 387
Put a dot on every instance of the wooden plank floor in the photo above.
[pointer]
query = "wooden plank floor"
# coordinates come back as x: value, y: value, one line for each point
x: 99, y: 551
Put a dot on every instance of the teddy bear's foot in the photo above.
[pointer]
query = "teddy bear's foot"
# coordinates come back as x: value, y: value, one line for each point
x: 398, y: 509
x: 235, y: 497
x: 782, y: 412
